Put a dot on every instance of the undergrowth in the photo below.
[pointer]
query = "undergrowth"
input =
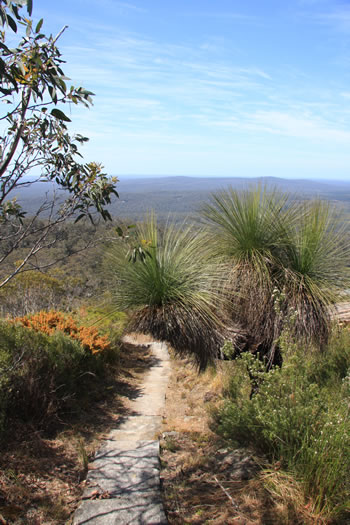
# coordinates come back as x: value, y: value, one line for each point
x: 299, y: 418
x: 47, y: 364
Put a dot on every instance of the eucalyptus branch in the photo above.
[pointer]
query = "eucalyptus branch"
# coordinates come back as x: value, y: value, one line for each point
x: 33, y: 78
x: 4, y: 166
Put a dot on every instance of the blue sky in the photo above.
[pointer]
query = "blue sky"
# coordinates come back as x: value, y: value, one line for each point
x: 199, y: 87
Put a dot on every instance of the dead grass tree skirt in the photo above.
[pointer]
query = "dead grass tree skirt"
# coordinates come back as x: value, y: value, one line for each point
x: 190, y: 333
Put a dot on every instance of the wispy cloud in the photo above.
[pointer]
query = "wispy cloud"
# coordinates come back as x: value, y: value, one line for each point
x: 339, y: 19
x: 237, y: 16
x: 298, y: 126
x: 126, y: 5
x: 143, y: 83
x: 335, y: 15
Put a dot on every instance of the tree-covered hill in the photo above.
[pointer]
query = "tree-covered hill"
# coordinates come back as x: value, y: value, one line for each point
x: 183, y: 196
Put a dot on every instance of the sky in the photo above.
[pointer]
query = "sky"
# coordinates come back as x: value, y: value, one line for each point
x: 242, y: 88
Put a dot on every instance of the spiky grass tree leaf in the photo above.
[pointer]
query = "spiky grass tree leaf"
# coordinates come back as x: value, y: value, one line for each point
x: 249, y: 226
x: 249, y: 229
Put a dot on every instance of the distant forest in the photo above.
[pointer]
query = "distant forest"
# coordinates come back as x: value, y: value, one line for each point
x: 182, y: 197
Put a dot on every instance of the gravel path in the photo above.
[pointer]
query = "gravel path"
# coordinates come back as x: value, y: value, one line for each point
x: 123, y: 483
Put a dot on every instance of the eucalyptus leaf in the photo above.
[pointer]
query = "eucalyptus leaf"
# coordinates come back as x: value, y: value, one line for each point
x: 38, y: 26
x: 12, y: 23
x: 29, y: 28
x: 30, y: 7
x: 57, y: 113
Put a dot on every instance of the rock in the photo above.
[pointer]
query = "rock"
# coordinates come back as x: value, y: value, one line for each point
x: 171, y: 434
x: 209, y: 396
x: 239, y: 464
x: 243, y: 472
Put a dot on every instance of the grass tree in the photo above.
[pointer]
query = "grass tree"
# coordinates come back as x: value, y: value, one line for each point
x: 172, y: 292
x: 316, y: 268
x: 287, y: 260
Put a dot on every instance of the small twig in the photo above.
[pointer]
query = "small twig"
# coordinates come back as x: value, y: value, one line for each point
x: 234, y: 504
x: 203, y: 505
x: 59, y: 34
x: 13, y: 366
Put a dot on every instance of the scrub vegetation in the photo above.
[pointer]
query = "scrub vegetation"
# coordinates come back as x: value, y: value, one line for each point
x: 257, y: 287
x: 299, y: 420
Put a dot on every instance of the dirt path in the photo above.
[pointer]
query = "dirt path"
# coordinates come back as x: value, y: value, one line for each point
x: 123, y: 483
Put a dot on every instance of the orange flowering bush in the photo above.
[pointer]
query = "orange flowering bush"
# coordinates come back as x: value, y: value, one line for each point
x: 49, y: 322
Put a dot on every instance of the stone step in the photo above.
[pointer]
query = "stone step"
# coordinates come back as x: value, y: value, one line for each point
x: 125, y: 471
x: 134, y: 509
x: 135, y: 428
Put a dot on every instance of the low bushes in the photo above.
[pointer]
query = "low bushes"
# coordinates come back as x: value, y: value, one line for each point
x: 47, y: 363
x: 299, y: 417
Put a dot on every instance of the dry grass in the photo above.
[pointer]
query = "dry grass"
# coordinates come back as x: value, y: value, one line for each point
x: 198, y: 486
x: 188, y: 396
x: 42, y: 475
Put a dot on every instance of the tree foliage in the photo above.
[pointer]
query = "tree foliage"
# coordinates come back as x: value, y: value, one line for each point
x: 36, y: 138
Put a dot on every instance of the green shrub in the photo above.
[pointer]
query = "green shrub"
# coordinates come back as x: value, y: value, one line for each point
x: 108, y: 321
x: 41, y: 375
x: 331, y: 367
x: 299, y: 417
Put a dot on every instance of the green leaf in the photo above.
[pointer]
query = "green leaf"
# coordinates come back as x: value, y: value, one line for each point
x: 63, y: 86
x: 57, y: 113
x: 30, y: 7
x: 12, y: 23
x: 53, y: 94
x: 85, y: 92
x: 39, y: 24
x: 21, y: 67
x: 15, y: 12
x: 5, y: 48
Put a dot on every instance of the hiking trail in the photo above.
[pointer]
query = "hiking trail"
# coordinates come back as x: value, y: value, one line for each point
x: 123, y: 482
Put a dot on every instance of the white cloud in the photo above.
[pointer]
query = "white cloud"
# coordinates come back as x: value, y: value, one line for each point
x: 298, y: 126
